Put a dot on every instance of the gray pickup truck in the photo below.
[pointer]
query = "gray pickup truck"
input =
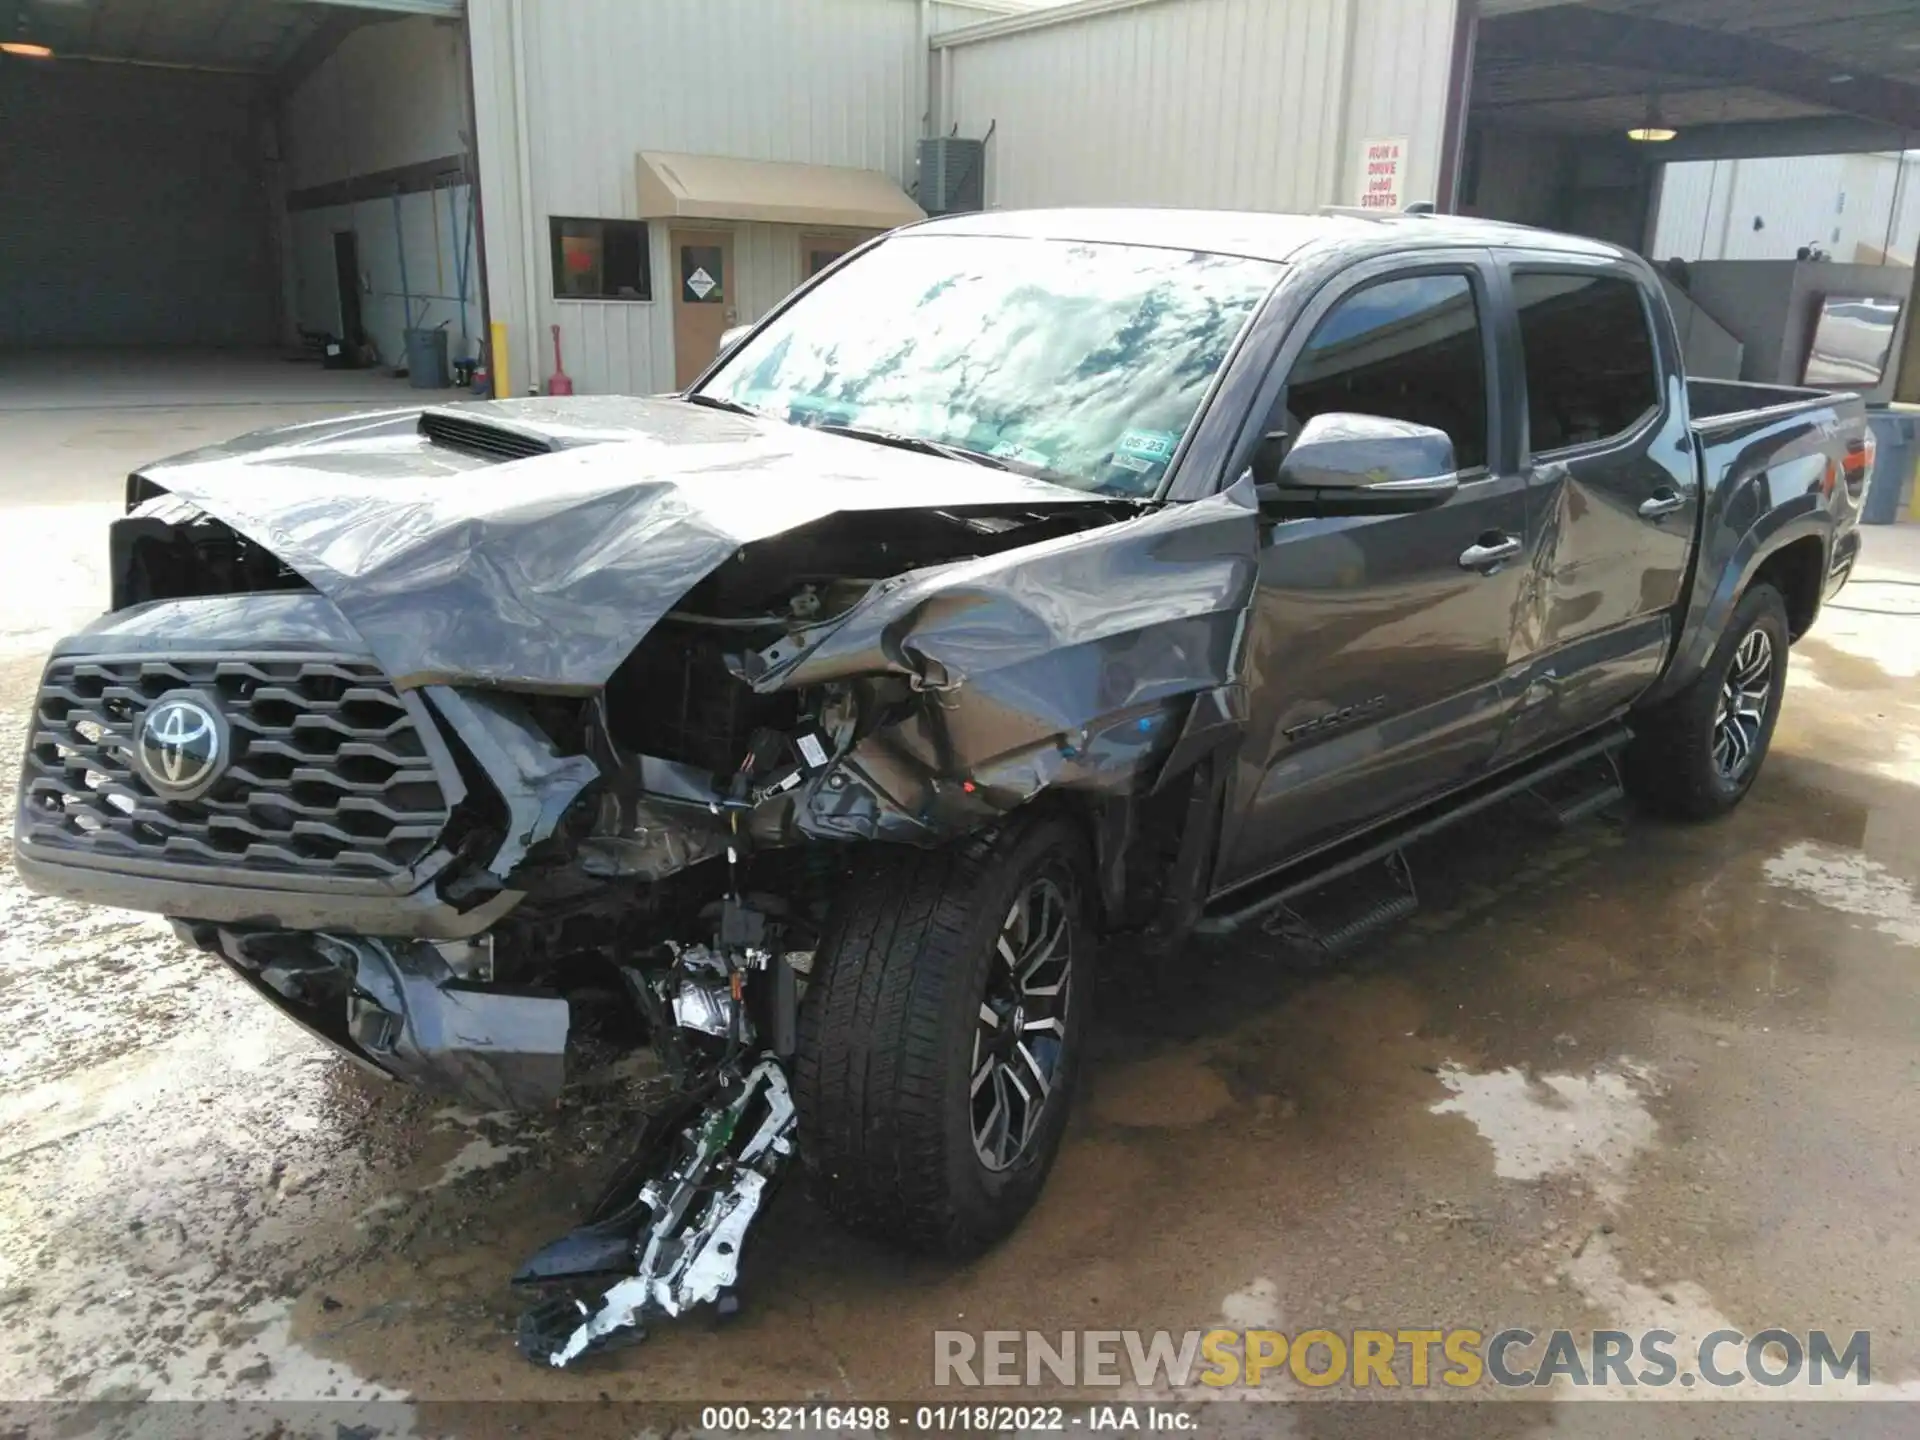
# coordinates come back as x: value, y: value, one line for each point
x: 1022, y: 582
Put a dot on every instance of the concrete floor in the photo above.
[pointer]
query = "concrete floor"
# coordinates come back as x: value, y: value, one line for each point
x: 1627, y: 1075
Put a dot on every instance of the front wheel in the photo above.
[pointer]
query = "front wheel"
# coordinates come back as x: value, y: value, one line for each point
x: 941, y: 1032
x: 1696, y: 755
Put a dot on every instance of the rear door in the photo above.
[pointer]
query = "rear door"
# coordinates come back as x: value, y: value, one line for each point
x: 1376, y: 646
x: 1611, y: 479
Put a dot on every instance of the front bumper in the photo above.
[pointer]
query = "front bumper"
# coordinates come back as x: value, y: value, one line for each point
x: 398, y: 1007
x: 423, y: 914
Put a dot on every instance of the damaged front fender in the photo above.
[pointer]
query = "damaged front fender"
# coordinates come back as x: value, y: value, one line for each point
x: 1076, y: 663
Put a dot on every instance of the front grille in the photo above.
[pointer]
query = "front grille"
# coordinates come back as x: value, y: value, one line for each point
x: 330, y: 772
x: 481, y: 437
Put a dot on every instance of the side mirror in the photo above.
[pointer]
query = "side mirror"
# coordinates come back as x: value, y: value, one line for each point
x: 732, y: 336
x: 1344, y: 464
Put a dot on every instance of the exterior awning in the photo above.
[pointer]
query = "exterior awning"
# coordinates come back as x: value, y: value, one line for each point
x: 779, y: 192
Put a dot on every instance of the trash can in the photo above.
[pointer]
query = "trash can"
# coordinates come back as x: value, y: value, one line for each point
x: 427, y: 359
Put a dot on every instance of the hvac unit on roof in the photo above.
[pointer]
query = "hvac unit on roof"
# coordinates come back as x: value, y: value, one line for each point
x: 953, y: 175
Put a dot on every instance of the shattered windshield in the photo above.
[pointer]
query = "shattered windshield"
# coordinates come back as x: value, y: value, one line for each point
x: 1080, y: 362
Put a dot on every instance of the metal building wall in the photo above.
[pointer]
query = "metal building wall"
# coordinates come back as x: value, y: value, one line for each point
x: 382, y: 112
x: 1707, y: 207
x: 1261, y: 104
x: 132, y: 208
x: 944, y: 15
x: 566, y: 96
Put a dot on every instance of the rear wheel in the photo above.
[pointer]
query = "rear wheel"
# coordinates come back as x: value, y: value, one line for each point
x: 941, y: 1034
x: 1697, y: 754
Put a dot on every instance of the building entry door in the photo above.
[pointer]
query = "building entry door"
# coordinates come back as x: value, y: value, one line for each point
x: 703, y: 299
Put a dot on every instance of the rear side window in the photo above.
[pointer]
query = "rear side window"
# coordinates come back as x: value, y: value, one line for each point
x: 1404, y: 349
x: 1590, y: 368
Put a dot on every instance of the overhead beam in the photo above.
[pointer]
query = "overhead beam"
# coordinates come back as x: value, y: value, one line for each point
x: 1759, y: 139
x: 1576, y: 35
x: 313, y: 51
x: 447, y: 9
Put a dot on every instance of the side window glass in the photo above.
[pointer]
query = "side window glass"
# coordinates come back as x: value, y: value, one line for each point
x: 1405, y: 349
x: 1590, y: 366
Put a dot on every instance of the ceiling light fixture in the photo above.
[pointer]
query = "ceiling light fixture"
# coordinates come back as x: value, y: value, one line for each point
x: 1654, y: 130
x: 26, y: 49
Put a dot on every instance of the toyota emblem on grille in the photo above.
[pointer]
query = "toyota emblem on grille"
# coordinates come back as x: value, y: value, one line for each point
x: 182, y: 745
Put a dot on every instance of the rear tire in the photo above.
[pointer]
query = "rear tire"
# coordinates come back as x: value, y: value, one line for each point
x: 1695, y: 755
x: 899, y: 1069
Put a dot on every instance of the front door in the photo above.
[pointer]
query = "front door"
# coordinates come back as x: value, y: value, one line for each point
x: 1376, y: 646
x: 1611, y: 483
x: 703, y: 299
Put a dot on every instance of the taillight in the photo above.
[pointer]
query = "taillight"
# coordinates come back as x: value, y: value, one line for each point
x: 1857, y: 464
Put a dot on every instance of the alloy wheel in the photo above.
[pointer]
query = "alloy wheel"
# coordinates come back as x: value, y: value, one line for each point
x: 1744, y: 697
x: 1020, y: 1039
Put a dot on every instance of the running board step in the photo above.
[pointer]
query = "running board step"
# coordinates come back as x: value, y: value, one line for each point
x: 1344, y: 911
x: 1257, y: 898
x: 1572, y: 796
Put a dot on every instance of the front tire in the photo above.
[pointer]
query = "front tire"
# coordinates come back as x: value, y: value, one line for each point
x: 1696, y: 755
x: 941, y: 1033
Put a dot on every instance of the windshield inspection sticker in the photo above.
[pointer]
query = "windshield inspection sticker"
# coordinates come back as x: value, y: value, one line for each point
x: 1148, y: 444
x: 1142, y: 450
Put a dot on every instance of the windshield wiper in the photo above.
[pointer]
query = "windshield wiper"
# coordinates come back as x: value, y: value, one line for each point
x: 720, y: 402
x: 918, y: 444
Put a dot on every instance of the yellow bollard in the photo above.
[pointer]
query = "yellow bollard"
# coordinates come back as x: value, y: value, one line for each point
x: 497, y: 358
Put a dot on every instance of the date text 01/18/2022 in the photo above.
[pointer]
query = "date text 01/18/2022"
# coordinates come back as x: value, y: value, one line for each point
x: 945, y: 1419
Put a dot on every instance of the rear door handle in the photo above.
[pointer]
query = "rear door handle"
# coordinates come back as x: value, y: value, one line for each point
x: 1662, y: 502
x: 1492, y: 551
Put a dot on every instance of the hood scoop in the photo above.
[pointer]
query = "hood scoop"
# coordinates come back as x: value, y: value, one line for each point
x: 488, y: 439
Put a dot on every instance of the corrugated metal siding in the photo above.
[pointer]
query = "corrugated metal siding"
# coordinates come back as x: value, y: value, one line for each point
x: 1402, y: 58
x: 391, y: 95
x: 133, y: 208
x: 830, y: 82
x: 1235, y: 103
x: 944, y: 15
x: 1707, y: 207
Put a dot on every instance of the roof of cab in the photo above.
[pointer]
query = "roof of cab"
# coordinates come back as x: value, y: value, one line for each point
x: 1258, y: 234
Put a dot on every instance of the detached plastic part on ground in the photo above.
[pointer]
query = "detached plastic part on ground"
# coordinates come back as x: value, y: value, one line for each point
x: 674, y: 1220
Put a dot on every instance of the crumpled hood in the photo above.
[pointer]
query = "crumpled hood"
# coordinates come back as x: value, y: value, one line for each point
x: 545, y: 572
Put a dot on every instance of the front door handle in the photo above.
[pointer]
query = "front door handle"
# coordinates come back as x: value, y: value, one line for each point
x: 1492, y: 552
x: 1662, y: 502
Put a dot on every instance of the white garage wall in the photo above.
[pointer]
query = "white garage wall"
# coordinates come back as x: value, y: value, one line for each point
x: 1261, y: 104
x: 389, y: 102
x: 1853, y: 206
x: 826, y: 82
x: 432, y: 273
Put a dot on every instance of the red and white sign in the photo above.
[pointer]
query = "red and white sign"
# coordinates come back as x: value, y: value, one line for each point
x: 1383, y: 173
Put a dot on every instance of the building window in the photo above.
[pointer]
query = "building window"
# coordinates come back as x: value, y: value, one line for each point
x: 600, y: 259
x: 1407, y: 349
x: 1590, y: 366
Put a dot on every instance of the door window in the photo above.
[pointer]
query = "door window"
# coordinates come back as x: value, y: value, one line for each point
x: 703, y: 279
x: 1406, y: 349
x: 1590, y: 368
